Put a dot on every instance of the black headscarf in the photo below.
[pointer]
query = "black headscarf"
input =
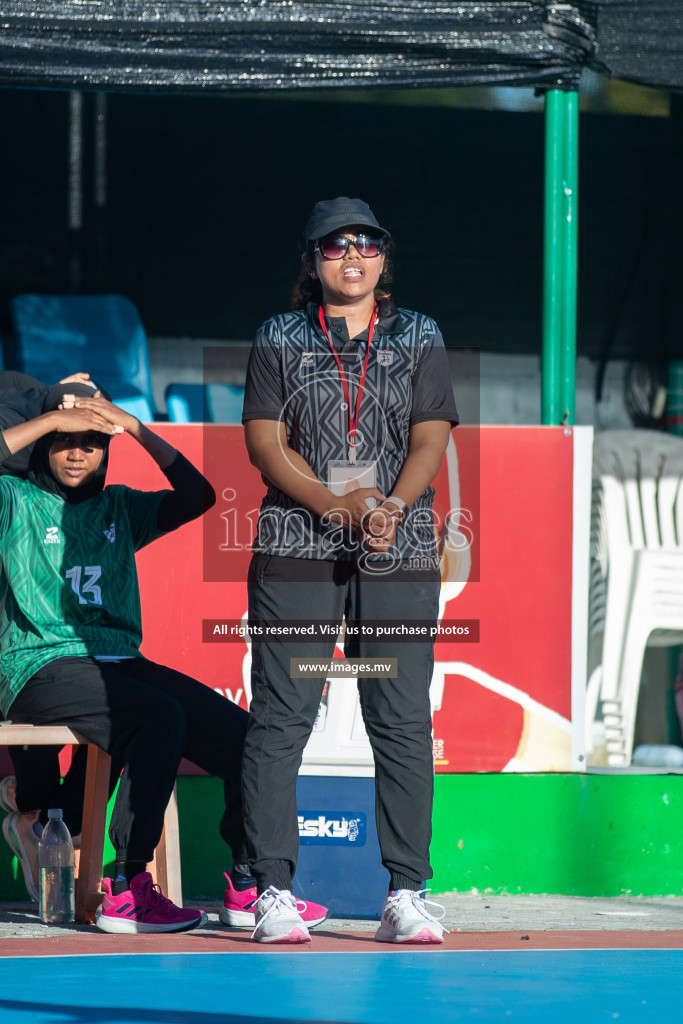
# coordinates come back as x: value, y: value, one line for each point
x: 39, y: 472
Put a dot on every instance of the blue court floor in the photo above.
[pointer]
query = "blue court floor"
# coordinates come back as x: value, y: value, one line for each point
x: 534, y: 987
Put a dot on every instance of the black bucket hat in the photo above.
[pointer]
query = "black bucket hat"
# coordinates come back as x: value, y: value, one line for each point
x: 331, y: 214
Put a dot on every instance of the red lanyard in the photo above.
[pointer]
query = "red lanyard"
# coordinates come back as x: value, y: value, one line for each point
x: 353, y: 417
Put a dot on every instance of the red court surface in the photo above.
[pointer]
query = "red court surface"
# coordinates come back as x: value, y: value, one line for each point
x: 80, y: 944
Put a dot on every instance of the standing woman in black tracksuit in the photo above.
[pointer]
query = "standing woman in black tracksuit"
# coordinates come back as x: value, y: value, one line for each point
x: 347, y: 414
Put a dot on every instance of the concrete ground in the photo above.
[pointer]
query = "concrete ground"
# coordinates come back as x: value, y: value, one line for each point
x: 466, y: 913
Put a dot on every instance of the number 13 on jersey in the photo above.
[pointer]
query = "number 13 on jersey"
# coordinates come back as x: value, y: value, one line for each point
x: 87, y: 592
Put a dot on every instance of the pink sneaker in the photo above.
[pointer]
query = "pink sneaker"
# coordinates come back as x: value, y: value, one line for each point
x: 238, y: 908
x: 144, y: 908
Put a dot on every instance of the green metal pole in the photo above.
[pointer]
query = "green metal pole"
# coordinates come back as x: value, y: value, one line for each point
x: 552, y: 257
x: 560, y: 258
x: 569, y: 248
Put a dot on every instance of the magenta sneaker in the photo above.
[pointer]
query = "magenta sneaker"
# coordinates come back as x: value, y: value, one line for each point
x: 144, y: 908
x: 238, y: 908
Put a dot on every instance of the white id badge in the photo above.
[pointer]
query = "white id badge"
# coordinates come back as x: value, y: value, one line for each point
x: 344, y: 476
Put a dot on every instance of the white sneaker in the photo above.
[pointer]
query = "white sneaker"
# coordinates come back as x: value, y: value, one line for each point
x: 8, y: 794
x: 405, y: 919
x: 23, y: 842
x: 278, y: 919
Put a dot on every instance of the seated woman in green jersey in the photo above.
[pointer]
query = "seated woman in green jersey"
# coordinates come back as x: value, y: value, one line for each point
x: 70, y: 632
x: 37, y: 771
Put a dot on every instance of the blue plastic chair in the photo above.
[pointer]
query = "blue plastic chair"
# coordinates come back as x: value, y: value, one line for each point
x: 204, y: 403
x: 56, y: 335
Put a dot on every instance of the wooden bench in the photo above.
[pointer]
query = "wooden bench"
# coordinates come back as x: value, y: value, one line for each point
x: 165, y: 867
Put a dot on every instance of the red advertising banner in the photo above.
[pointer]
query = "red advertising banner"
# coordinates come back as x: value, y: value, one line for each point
x: 501, y: 692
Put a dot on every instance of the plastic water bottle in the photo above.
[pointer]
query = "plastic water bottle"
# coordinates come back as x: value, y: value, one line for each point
x: 56, y: 868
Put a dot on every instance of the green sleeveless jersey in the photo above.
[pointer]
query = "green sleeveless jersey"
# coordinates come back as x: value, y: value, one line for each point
x: 68, y: 579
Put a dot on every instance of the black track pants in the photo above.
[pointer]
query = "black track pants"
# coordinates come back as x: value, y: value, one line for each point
x: 396, y: 712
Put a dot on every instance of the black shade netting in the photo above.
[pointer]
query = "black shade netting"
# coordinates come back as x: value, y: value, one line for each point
x: 245, y: 44
x: 639, y: 40
x: 188, y: 45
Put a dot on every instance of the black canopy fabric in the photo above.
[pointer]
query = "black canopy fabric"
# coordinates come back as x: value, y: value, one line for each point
x: 201, y: 45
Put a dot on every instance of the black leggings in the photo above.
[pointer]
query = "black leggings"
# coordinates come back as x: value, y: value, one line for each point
x: 147, y: 717
x: 396, y: 711
x: 38, y: 782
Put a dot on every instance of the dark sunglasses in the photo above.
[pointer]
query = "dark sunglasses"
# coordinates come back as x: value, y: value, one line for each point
x: 335, y: 246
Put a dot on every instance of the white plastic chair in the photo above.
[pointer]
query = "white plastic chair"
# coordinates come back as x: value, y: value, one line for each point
x: 636, y: 582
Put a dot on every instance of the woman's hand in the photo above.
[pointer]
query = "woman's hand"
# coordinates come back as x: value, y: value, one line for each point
x: 352, y: 509
x: 78, y: 378
x: 77, y: 421
x: 120, y: 420
x: 380, y: 528
x: 73, y: 416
